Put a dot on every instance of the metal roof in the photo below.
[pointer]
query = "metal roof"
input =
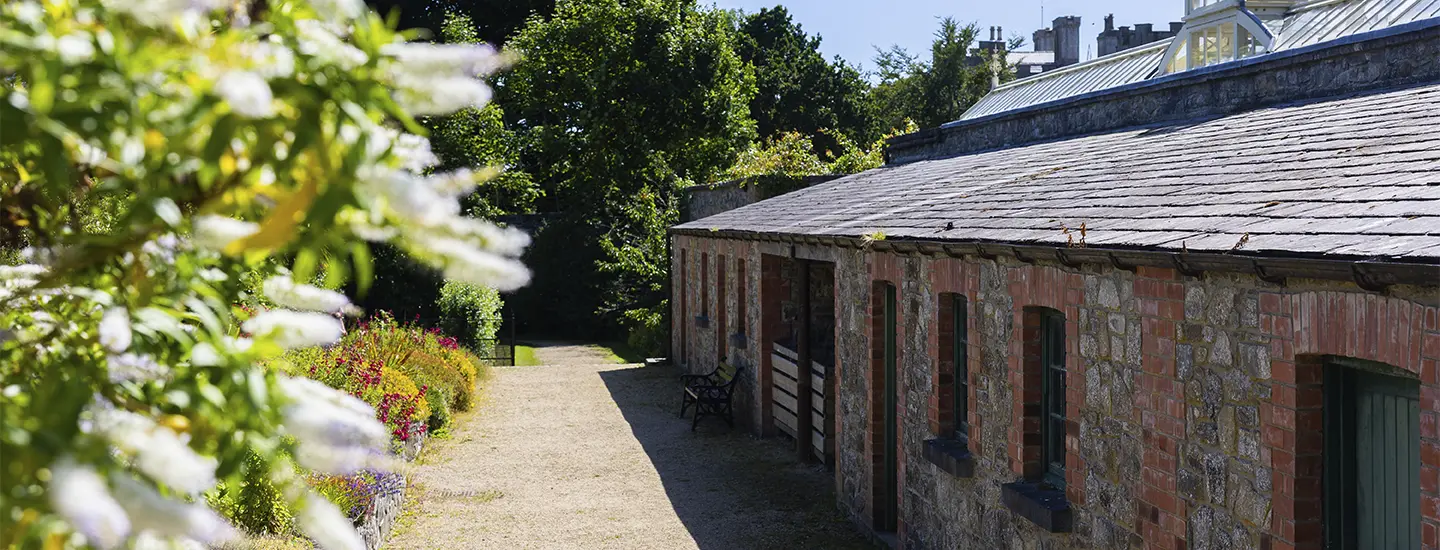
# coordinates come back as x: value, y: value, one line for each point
x: 1306, y: 24
x: 1117, y: 69
x: 1317, y: 22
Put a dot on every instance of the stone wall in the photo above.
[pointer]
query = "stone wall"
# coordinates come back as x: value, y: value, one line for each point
x: 1192, y: 401
x: 702, y: 201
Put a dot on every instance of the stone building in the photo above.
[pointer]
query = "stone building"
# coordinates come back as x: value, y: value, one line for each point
x: 1193, y: 311
x: 1112, y: 40
x: 1053, y: 48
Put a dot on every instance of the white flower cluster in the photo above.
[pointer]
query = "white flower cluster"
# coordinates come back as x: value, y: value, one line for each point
x: 295, y: 329
x: 217, y: 232
x: 132, y: 367
x: 334, y: 431
x: 187, y: 14
x: 247, y: 93
x: 14, y: 278
x: 324, y: 522
x: 432, y: 79
x: 155, y: 451
x: 84, y: 498
x: 287, y: 293
x: 319, y: 41
x: 109, y: 511
x: 430, y: 225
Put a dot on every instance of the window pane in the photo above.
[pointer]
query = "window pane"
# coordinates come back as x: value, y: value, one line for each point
x: 961, y: 398
x: 1053, y: 397
x: 1226, y: 44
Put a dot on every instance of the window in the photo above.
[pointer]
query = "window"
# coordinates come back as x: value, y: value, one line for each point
x: 1198, y: 4
x: 1052, y: 397
x: 1371, y: 457
x: 705, y: 285
x: 1226, y: 35
x: 953, y: 354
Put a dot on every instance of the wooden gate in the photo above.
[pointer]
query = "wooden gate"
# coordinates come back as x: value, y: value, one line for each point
x: 785, y: 376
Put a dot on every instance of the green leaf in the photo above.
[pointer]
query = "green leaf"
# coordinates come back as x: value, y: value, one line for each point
x: 364, y: 266
x: 303, y: 269
x: 259, y: 389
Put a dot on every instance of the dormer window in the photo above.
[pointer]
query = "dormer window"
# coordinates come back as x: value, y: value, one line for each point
x: 1216, y: 31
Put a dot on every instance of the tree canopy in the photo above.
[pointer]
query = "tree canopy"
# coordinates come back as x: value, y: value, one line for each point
x: 617, y: 105
x: 797, y: 90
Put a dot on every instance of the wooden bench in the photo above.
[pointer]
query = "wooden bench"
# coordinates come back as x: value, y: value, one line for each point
x: 710, y: 393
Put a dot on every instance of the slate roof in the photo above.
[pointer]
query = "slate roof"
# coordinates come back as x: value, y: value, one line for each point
x: 1355, y: 176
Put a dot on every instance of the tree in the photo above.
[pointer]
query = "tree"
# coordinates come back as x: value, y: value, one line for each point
x: 939, y: 90
x: 496, y: 21
x: 797, y: 90
x: 617, y: 105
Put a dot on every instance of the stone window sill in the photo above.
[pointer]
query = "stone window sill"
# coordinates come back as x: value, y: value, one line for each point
x: 951, y: 456
x: 702, y: 321
x: 1042, y: 504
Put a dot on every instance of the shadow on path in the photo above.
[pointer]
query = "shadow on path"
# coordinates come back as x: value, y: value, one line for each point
x: 731, y: 491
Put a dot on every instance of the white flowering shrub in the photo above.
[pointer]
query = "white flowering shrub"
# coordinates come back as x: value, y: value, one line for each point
x: 219, y: 137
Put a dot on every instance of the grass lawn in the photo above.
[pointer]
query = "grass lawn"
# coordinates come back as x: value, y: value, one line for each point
x: 620, y: 352
x: 525, y: 356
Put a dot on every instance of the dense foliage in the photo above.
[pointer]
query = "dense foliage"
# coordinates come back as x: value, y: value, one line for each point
x: 618, y: 105
x: 213, y: 143
x: 797, y: 90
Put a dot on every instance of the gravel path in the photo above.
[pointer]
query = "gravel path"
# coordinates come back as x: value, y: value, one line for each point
x: 581, y: 453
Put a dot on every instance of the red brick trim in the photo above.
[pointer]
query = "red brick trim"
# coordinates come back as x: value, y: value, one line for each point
x: 1046, y: 287
x: 876, y: 380
x: 952, y: 276
x: 1303, y: 328
x: 1159, y: 402
x: 682, y: 323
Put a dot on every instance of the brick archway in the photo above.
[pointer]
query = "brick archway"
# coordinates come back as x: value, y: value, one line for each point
x: 1304, y: 329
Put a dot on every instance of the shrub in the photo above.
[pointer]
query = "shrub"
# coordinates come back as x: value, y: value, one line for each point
x: 470, y: 313
x: 647, y: 331
x: 255, y: 505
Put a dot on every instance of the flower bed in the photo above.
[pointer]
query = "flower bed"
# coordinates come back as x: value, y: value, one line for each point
x: 414, y: 378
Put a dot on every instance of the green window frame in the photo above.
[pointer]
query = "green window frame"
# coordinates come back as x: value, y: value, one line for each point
x: 1052, y: 419
x: 960, y: 353
x: 1371, y: 485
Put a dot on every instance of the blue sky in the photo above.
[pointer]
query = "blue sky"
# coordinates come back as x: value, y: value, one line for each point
x: 850, y: 28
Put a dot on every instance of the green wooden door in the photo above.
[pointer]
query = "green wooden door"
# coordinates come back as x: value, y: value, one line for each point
x: 890, y: 507
x: 1387, y: 462
x: 1372, y: 460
